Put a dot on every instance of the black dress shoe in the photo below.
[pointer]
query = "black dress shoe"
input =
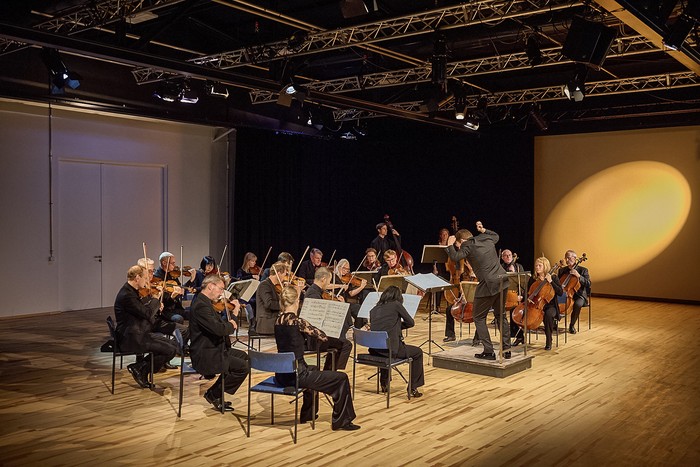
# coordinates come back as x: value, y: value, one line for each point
x: 548, y: 347
x: 572, y: 330
x: 449, y: 339
x: 303, y: 420
x: 486, y: 356
x: 506, y: 355
x: 416, y: 393
x: 216, y: 402
x: 138, y: 377
x: 169, y: 366
x: 347, y: 427
x: 518, y: 340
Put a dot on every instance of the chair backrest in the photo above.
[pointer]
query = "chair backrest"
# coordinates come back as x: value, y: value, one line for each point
x: 371, y: 339
x: 283, y: 362
x: 179, y: 339
x: 112, y: 327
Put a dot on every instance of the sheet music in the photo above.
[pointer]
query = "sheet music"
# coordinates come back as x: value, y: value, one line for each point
x: 329, y: 316
x: 427, y: 281
x: 410, y: 302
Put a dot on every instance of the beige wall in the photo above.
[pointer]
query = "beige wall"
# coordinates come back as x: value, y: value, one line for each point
x: 186, y: 151
x: 634, y: 217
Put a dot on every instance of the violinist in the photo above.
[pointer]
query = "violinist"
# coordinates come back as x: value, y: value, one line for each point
x: 322, y: 281
x: 162, y: 324
x: 283, y: 257
x: 210, y: 349
x: 511, y: 266
x: 391, y: 266
x: 172, y: 301
x: 135, y: 319
x: 584, y: 291
x: 268, y: 306
x: 383, y: 242
x: 371, y: 263
x: 206, y: 266
x: 480, y: 251
x: 290, y: 331
x: 249, y: 269
x: 356, y: 292
x: 551, y: 309
x: 308, y: 268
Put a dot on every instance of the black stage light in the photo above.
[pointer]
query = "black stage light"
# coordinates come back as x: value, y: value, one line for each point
x: 676, y: 36
x: 59, y: 75
x: 471, y: 123
x: 438, y: 61
x: 168, y: 91
x: 353, y: 8
x: 216, y: 90
x: 532, y: 49
x: 537, y: 118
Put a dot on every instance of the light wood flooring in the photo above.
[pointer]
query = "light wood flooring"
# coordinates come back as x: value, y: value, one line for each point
x: 626, y: 392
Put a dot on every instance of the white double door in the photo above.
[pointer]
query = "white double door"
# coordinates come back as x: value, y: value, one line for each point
x: 105, y: 212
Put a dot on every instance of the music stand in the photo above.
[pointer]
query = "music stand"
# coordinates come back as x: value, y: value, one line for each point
x: 386, y: 281
x: 517, y: 281
x: 434, y: 254
x: 368, y: 276
x: 244, y: 291
x: 429, y: 283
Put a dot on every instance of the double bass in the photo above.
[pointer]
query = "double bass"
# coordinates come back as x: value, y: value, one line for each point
x: 570, y: 284
x: 539, y: 294
x: 405, y: 258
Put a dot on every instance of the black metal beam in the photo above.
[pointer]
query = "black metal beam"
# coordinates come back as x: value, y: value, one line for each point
x: 140, y: 59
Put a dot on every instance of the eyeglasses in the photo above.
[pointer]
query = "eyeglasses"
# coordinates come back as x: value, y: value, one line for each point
x: 218, y: 286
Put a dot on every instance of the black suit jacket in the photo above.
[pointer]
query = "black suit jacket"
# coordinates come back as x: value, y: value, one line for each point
x: 481, y: 253
x: 208, y: 336
x: 391, y: 317
x: 585, y: 280
x: 267, y: 308
x: 135, y: 318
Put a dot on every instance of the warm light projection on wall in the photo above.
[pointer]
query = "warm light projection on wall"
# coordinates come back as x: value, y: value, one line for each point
x: 621, y: 217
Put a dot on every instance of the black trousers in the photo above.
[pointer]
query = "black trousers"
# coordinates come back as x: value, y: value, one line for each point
x: 579, y: 302
x: 163, y: 349
x: 238, y: 364
x: 333, y: 383
x: 343, y: 349
x: 482, y: 305
x: 404, y: 351
x: 550, y: 322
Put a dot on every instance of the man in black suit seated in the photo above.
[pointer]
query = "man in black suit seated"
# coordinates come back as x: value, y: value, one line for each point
x: 136, y: 317
x: 210, y: 347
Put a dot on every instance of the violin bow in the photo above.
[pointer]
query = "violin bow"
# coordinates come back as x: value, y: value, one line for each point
x: 294, y: 274
x: 145, y: 261
x: 332, y: 256
x: 262, y: 266
x: 165, y: 278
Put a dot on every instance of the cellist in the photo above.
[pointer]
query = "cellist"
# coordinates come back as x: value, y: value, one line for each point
x: 510, y: 265
x: 582, y: 294
x: 551, y: 308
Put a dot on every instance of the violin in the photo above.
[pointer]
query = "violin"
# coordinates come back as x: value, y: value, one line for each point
x: 539, y: 294
x: 570, y: 284
x: 372, y: 266
x: 176, y: 273
x: 331, y: 296
x: 398, y: 271
x: 255, y: 270
x: 404, y: 256
x: 351, y: 279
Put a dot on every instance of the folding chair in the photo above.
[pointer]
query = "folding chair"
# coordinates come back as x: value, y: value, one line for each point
x: 117, y: 352
x: 284, y: 362
x: 378, y: 340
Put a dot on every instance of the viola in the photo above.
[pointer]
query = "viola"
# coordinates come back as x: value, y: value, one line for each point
x: 540, y: 293
x: 570, y: 284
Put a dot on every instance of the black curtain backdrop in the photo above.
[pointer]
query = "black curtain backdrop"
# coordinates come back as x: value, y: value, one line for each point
x: 292, y: 191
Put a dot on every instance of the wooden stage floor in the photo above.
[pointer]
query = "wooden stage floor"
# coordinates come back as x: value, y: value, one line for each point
x: 626, y: 392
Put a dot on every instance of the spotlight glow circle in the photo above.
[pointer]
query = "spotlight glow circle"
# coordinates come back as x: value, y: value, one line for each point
x: 621, y: 217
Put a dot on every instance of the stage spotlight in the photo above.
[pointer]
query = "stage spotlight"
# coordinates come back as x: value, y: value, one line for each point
x: 538, y: 119
x: 676, y: 36
x: 460, y: 99
x: 575, y: 89
x: 216, y: 90
x: 188, y: 95
x: 471, y: 123
x: 167, y: 91
x: 438, y: 61
x: 60, y: 76
x: 532, y: 49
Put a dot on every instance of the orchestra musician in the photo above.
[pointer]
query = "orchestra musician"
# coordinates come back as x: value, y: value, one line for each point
x: 268, y: 304
x: 509, y: 265
x: 135, y: 319
x: 391, y: 265
x: 440, y: 270
x: 290, y: 330
x: 551, y: 308
x: 321, y: 282
x: 211, y: 349
x: 161, y: 324
x: 308, y: 268
x: 172, y: 302
x: 247, y: 269
x: 390, y: 315
x: 383, y: 242
x: 584, y: 291
x: 480, y: 251
x: 206, y: 266
x: 370, y: 263
x: 356, y: 292
x: 283, y: 257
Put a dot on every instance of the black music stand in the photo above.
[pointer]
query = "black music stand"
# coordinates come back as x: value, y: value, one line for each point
x: 429, y: 283
x: 242, y: 291
x: 434, y: 254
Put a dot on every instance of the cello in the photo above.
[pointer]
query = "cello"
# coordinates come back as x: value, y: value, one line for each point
x: 539, y: 294
x: 570, y: 284
x: 462, y: 310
